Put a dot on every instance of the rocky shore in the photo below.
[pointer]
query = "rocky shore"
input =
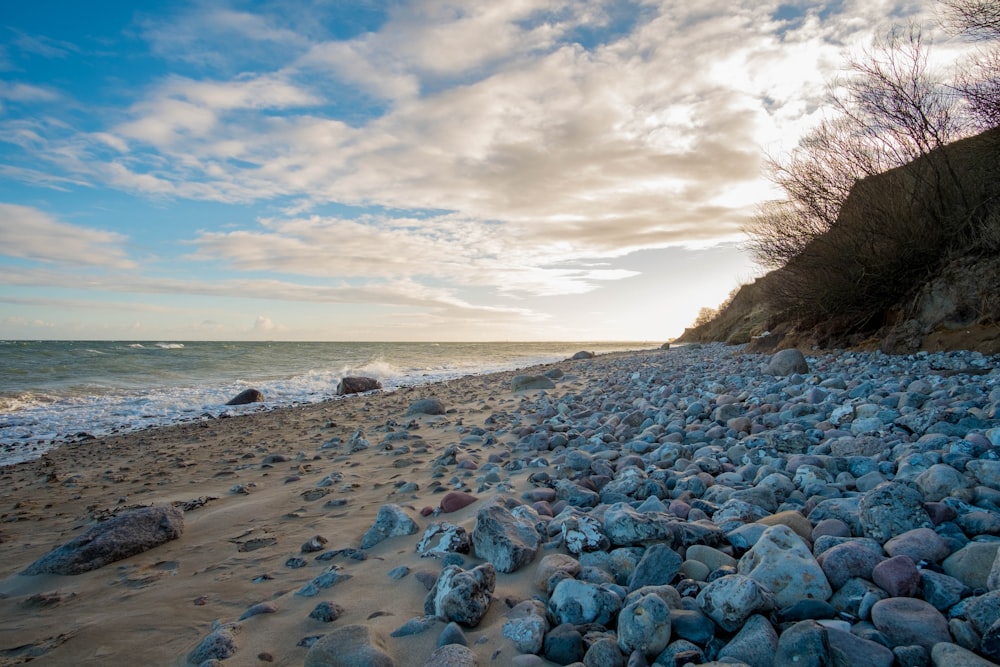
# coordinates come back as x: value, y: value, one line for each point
x: 691, y: 506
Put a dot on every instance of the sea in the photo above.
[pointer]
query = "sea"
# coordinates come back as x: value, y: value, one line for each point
x: 57, y: 391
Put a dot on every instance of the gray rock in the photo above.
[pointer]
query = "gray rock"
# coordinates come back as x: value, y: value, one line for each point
x: 259, y: 608
x: 564, y: 645
x: 218, y: 645
x: 909, y: 621
x: 644, y: 626
x: 452, y: 655
x: 755, y: 643
x: 462, y: 596
x: 782, y: 563
x: 850, y: 649
x: 625, y: 526
x: 849, y: 559
x: 940, y: 481
x: 787, y: 362
x: 604, y: 653
x: 658, y: 565
x: 972, y: 563
x: 443, y: 538
x: 578, y: 602
x: 415, y: 626
x: 350, y: 646
x: 891, y: 508
x: 584, y: 533
x: 804, y: 644
x: 326, y: 612
x: 426, y: 406
x: 983, y: 611
x: 122, y: 536
x: 531, y: 383
x: 551, y: 565
x: 526, y: 632
x: 730, y: 600
x: 920, y: 544
x: 507, y: 541
x: 952, y: 655
x: 941, y: 590
x: 582, y: 354
x: 391, y: 521
x: 452, y: 634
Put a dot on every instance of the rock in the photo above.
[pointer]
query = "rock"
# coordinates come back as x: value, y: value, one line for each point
x: 531, y: 383
x: 452, y: 634
x: 604, y: 653
x: 507, y: 541
x: 804, y: 644
x: 357, y: 385
x: 415, y: 626
x: 426, y: 406
x: 218, y: 645
x: 908, y: 621
x: 564, y: 645
x: 584, y: 533
x: 952, y: 655
x: 691, y: 625
x: 259, y: 608
x: 849, y: 559
x: 245, y: 397
x: 644, y: 626
x: 891, y: 508
x: 443, y: 538
x: 733, y: 598
x: 940, y: 481
x: 462, y: 596
x: 582, y: 354
x: 452, y: 655
x: 326, y: 612
x: 626, y: 526
x: 919, y: 544
x: 122, y: 536
x: 526, y: 626
x: 787, y: 362
x: 972, y: 563
x: 658, y: 565
x: 754, y: 644
x: 898, y: 576
x: 456, y: 500
x: 391, y: 521
x: 850, y: 649
x: 579, y: 602
x: 350, y: 646
x: 553, y: 564
x: 314, y: 544
x: 782, y: 563
x: 941, y: 590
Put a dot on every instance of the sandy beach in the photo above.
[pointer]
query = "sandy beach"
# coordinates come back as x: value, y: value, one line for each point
x: 153, y: 608
x: 673, y: 476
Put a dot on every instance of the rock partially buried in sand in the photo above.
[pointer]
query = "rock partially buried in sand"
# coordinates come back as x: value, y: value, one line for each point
x: 357, y: 385
x: 350, y: 646
x: 531, y: 382
x: 246, y: 397
x: 462, y: 596
x: 456, y: 500
x: 392, y: 521
x: 125, y: 535
x: 582, y: 354
x: 426, y: 406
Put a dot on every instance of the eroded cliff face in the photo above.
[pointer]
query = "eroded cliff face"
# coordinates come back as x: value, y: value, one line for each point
x: 957, y: 309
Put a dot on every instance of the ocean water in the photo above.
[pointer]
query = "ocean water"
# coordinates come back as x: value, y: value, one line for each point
x: 53, y: 391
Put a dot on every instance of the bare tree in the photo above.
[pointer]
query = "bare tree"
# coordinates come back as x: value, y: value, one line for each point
x: 977, y: 19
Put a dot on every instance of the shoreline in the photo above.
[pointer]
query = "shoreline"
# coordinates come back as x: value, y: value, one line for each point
x: 260, y: 486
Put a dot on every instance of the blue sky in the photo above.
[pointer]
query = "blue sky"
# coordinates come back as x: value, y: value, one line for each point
x: 406, y: 170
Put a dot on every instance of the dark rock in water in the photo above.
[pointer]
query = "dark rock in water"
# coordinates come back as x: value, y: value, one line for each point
x: 357, y: 385
x: 125, y: 535
x: 462, y: 596
x: 426, y: 406
x: 247, y: 396
x: 350, y: 646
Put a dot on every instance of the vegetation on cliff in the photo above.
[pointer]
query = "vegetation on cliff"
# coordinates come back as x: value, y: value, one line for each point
x: 895, y: 192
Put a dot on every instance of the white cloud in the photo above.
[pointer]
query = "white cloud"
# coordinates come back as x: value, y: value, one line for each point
x: 28, y: 233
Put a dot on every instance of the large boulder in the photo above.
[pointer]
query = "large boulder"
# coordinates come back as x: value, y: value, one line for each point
x: 357, y: 385
x: 350, y: 646
x: 125, y: 535
x: 786, y: 362
x: 531, y: 382
x: 392, y: 521
x: 507, y: 541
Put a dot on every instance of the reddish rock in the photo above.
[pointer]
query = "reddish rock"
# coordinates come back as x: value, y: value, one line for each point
x: 456, y: 500
x: 898, y: 576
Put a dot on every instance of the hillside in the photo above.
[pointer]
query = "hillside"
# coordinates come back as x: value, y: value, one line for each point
x: 912, y: 263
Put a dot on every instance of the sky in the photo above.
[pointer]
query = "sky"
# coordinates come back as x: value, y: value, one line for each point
x: 397, y: 170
